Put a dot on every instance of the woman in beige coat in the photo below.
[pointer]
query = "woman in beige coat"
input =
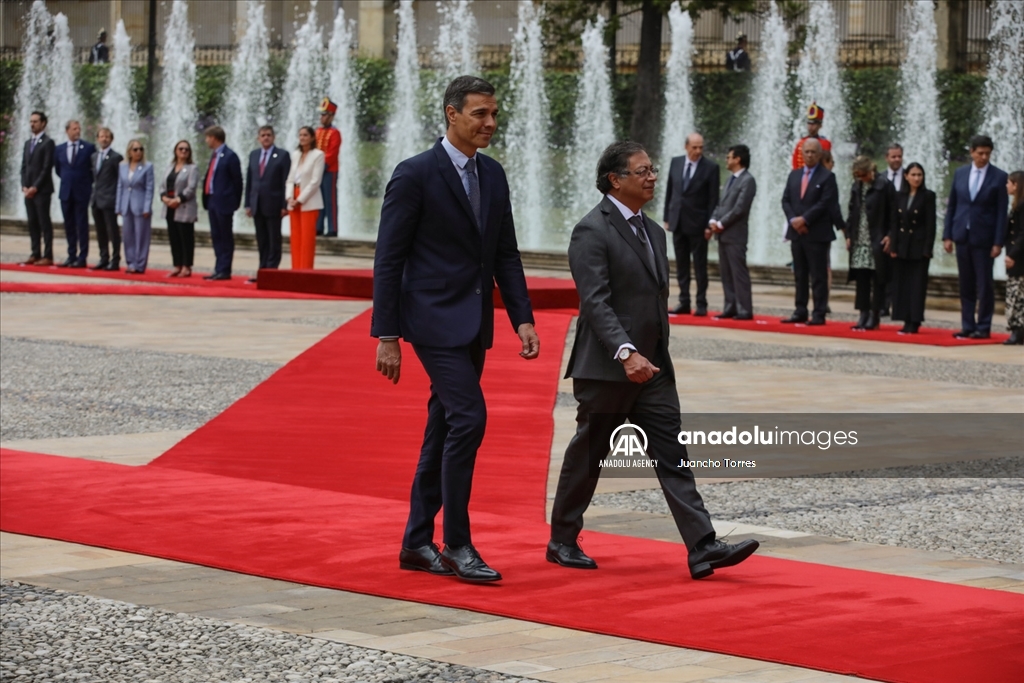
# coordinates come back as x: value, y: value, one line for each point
x: 304, y: 199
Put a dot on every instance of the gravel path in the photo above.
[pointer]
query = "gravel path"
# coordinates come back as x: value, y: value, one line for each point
x: 56, y: 389
x: 51, y: 636
x: 977, y: 517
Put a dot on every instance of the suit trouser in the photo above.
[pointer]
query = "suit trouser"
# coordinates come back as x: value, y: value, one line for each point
x: 810, y: 266
x: 303, y: 238
x: 732, y: 264
x: 137, y: 233
x: 223, y: 237
x: 40, y: 227
x: 182, y: 236
x: 76, y: 227
x: 456, y: 421
x: 974, y: 265
x: 108, y: 234
x: 329, y: 192
x: 910, y: 289
x: 695, y: 247
x: 873, y: 285
x: 654, y: 407
x: 268, y: 239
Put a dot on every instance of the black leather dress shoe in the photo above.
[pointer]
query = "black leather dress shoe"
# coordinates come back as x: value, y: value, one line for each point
x: 218, y: 276
x: 569, y: 556
x: 425, y: 559
x: 67, y: 263
x: 748, y: 316
x: 1016, y: 338
x: 962, y: 334
x: 795, y: 318
x: 467, y: 564
x: 102, y: 265
x: 701, y: 312
x: 680, y: 310
x: 725, y: 316
x: 706, y: 559
x: 816, y: 321
x: 978, y: 334
x: 114, y: 266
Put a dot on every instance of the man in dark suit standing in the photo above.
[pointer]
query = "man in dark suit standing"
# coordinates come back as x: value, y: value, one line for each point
x: 621, y: 367
x: 222, y: 194
x: 691, y: 195
x: 446, y: 236
x: 976, y: 226
x: 37, y: 188
x: 894, y: 160
x: 808, y: 202
x: 265, y: 202
x: 73, y: 163
x: 104, y: 196
x: 729, y: 226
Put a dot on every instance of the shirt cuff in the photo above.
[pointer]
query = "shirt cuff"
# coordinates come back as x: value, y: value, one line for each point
x: 627, y: 345
x: 388, y: 338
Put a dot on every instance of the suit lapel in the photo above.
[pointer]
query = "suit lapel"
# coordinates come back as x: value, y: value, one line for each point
x: 626, y: 232
x: 451, y: 176
x: 485, y: 191
x: 660, y: 251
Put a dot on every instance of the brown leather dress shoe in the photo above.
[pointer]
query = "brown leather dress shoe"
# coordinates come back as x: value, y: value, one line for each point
x: 44, y: 262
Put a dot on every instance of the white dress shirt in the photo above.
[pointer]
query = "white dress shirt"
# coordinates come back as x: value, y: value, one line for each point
x: 896, y: 178
x: 72, y: 149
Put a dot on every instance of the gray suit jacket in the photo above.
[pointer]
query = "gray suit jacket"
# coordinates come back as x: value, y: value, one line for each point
x: 733, y: 211
x: 621, y: 299
x: 185, y: 188
x: 104, y: 188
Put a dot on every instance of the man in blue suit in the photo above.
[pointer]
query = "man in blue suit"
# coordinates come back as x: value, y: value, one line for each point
x: 222, y: 195
x: 446, y: 236
x: 265, y: 202
x: 976, y: 226
x: 73, y: 163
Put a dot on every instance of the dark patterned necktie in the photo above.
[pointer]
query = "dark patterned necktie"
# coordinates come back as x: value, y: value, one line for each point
x: 474, y: 191
x: 687, y: 175
x: 641, y: 233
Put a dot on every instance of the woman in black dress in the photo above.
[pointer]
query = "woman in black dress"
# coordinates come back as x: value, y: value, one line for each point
x: 1015, y: 260
x: 910, y: 246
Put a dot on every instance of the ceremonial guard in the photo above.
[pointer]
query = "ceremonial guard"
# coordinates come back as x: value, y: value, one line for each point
x: 328, y: 141
x: 815, y: 117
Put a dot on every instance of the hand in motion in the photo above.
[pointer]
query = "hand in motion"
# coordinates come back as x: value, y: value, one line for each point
x: 389, y: 360
x: 639, y: 369
x: 1009, y: 262
x: 531, y: 342
x: 948, y: 246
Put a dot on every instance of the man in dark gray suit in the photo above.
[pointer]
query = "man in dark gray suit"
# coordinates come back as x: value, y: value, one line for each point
x: 729, y: 226
x: 104, y: 197
x: 691, y: 195
x: 37, y: 188
x: 621, y: 367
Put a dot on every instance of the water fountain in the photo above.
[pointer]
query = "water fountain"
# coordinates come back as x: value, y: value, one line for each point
x: 921, y: 129
x: 405, y: 129
x: 594, y: 128
x: 1004, y: 87
x: 304, y: 82
x: 247, y: 100
x: 678, y: 117
x: 177, y: 115
x: 62, y: 97
x: 117, y: 110
x: 526, y: 142
x: 342, y: 90
x: 455, y: 50
x: 766, y: 132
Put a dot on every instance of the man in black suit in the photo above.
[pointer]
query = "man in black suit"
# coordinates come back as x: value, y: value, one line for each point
x: 104, y: 196
x: 72, y: 160
x: 446, y: 236
x: 621, y: 367
x: 691, y: 195
x: 894, y: 160
x: 222, y: 193
x: 37, y: 188
x: 265, y: 202
x: 808, y: 202
x: 738, y: 59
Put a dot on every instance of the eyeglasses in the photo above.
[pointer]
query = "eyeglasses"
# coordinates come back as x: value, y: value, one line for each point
x: 642, y: 172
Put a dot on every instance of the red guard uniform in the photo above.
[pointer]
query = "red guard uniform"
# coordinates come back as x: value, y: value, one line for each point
x: 328, y: 141
x: 814, y: 113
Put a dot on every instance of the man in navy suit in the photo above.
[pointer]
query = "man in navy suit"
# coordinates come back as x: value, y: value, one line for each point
x: 222, y: 195
x: 976, y: 226
x: 810, y: 194
x: 73, y: 163
x: 446, y: 236
x: 265, y: 202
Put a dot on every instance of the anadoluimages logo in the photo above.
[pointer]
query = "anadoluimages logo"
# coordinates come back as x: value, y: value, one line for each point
x: 628, y: 445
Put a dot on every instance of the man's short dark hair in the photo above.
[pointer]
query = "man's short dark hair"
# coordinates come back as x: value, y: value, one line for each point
x: 215, y: 132
x: 894, y: 145
x: 461, y: 88
x: 615, y: 159
x: 41, y: 115
x: 981, y: 141
x: 263, y: 128
x: 741, y: 152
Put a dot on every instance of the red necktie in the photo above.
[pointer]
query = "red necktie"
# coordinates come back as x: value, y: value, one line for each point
x: 803, y: 183
x: 209, y: 176
x: 263, y: 162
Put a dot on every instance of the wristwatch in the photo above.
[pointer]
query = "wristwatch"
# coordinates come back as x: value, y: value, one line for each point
x: 624, y: 354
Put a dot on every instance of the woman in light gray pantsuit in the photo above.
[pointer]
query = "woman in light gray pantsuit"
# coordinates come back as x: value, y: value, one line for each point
x: 178, y: 185
x: 135, y: 204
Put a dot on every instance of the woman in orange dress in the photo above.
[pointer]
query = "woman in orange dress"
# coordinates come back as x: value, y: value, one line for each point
x: 304, y: 199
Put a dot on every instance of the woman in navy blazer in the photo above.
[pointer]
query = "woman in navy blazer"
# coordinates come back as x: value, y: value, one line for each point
x: 135, y: 204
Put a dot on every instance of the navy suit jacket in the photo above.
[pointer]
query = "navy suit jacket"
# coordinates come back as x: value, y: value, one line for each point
x: 986, y: 215
x: 265, y: 196
x: 434, y: 269
x: 75, y: 179
x: 227, y: 184
x: 818, y: 206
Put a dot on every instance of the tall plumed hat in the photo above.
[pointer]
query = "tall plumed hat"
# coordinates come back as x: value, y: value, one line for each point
x: 328, y: 107
x: 815, y: 113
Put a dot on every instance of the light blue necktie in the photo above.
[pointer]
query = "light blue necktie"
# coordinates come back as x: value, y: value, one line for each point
x: 975, y: 178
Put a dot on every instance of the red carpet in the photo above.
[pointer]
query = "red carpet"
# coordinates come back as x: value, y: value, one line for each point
x: 155, y: 290
x: 306, y: 478
x: 932, y: 336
